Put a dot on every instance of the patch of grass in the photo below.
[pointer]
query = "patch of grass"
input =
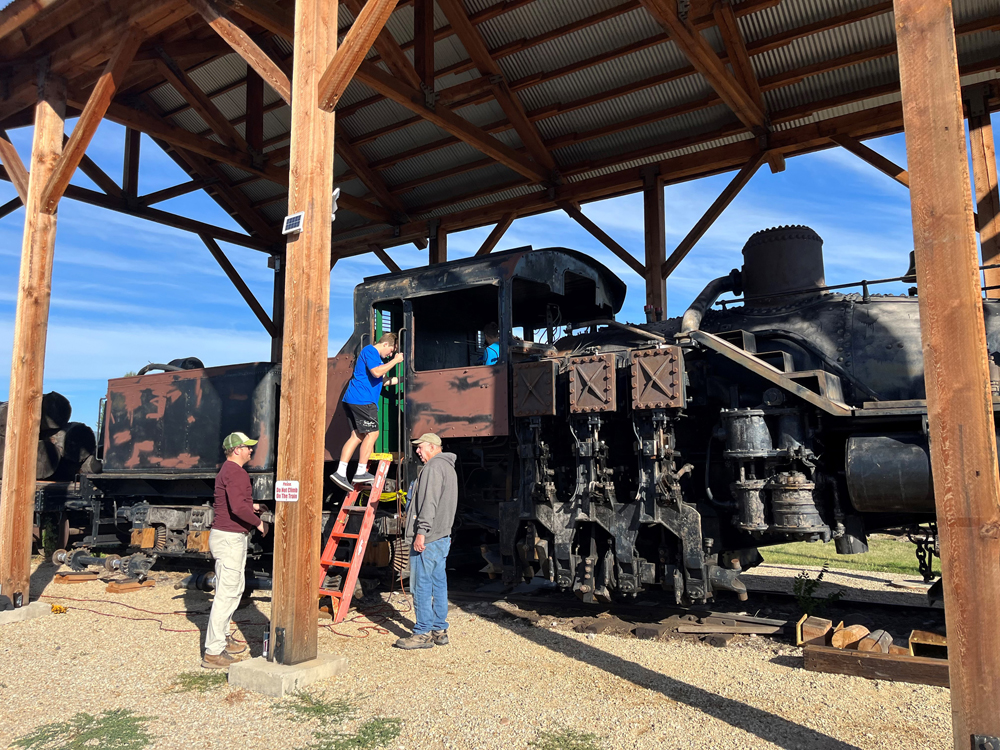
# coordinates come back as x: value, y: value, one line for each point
x: 883, y: 556
x: 566, y: 739
x: 121, y: 729
x: 804, y: 588
x: 374, y: 733
x: 199, y: 682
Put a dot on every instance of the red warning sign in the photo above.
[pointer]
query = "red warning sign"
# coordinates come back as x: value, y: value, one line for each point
x: 286, y: 491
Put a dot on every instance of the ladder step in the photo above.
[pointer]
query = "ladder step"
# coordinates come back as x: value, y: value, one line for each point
x: 338, y: 535
x: 331, y: 592
x: 354, y: 508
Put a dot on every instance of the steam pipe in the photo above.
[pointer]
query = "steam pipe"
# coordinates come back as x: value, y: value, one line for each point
x: 712, y: 291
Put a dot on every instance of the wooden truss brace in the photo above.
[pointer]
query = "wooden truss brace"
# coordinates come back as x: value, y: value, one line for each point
x: 714, y: 211
x: 241, y: 287
x: 372, y: 180
x: 498, y: 232
x: 389, y: 50
x: 265, y: 14
x: 245, y: 47
x: 368, y: 24
x: 10, y: 206
x: 707, y: 62
x: 488, y: 67
x: 573, y: 209
x: 172, y: 192
x: 396, y: 90
x: 874, y: 158
x: 93, y: 112
x: 383, y: 256
x: 15, y: 167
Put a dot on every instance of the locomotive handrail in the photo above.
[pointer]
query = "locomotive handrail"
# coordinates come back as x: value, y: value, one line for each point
x: 623, y: 326
x: 766, y: 371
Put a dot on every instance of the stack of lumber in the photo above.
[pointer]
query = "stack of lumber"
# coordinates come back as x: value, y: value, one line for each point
x: 855, y: 650
x: 65, y: 448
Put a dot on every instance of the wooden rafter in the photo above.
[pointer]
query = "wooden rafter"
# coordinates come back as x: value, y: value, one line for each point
x: 423, y: 41
x: 90, y: 119
x: 245, y: 47
x: 173, y: 192
x: 474, y: 45
x: 200, y: 102
x: 240, y: 284
x: 130, y: 162
x: 254, y: 99
x: 574, y: 212
x: 372, y: 180
x: 874, y: 158
x: 366, y: 27
x: 714, y: 212
x: 497, y: 234
x: 707, y: 62
x: 10, y: 206
x: 399, y: 92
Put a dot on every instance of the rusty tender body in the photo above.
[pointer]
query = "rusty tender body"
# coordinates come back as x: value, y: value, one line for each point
x: 603, y: 457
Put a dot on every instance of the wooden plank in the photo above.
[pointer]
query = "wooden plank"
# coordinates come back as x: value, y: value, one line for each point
x: 302, y: 425
x: 372, y: 180
x: 15, y: 167
x: 655, y: 242
x: 956, y: 374
x: 423, y: 41
x: 266, y: 14
x: 714, y: 212
x: 17, y: 493
x: 413, y: 100
x: 474, y: 45
x: 383, y: 256
x: 173, y: 192
x: 916, y: 669
x: 707, y: 62
x: 881, y: 163
x: 254, y: 131
x: 984, y: 175
x: 574, y: 212
x: 498, y: 232
x: 130, y: 165
x: 245, y: 47
x: 736, y: 48
x: 241, y: 286
x: 90, y: 118
x: 438, y: 239
x: 352, y: 51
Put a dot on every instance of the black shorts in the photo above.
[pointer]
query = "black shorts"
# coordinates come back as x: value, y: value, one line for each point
x: 363, y: 417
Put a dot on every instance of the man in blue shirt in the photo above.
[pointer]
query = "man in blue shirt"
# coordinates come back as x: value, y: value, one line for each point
x: 361, y: 406
x: 491, y: 355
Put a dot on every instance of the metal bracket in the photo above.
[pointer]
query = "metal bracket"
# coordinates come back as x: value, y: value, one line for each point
x: 275, y: 262
x: 683, y: 8
x: 649, y: 174
x: 279, y: 645
x: 984, y: 742
x: 497, y: 80
x: 975, y: 99
x: 257, y: 158
x: 430, y: 96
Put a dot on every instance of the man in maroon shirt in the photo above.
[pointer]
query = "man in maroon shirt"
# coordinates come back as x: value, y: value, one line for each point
x: 235, y: 517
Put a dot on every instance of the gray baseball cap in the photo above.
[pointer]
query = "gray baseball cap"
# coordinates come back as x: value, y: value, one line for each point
x: 427, y: 437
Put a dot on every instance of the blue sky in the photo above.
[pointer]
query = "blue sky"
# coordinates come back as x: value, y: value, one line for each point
x: 126, y: 292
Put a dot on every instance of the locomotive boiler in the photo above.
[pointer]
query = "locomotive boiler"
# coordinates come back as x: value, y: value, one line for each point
x: 605, y: 457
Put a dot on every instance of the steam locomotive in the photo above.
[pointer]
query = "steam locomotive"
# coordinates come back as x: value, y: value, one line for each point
x: 607, y: 458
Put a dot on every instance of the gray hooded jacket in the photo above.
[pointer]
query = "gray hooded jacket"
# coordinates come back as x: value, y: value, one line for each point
x: 430, y: 509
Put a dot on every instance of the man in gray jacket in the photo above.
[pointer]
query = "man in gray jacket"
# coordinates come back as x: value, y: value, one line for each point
x: 430, y: 513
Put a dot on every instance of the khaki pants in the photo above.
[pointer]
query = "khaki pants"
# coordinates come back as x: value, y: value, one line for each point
x: 229, y: 548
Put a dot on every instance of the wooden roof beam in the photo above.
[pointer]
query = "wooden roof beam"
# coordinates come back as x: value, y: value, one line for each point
x: 200, y: 102
x: 714, y: 212
x: 372, y: 180
x: 383, y: 256
x: 368, y: 24
x: 487, y: 66
x: 399, y: 92
x: 93, y: 112
x: 245, y: 47
x: 574, y: 212
x: 267, y: 15
x: 176, y: 190
x: 707, y: 62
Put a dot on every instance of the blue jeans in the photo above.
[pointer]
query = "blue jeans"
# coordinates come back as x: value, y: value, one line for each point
x: 429, y: 586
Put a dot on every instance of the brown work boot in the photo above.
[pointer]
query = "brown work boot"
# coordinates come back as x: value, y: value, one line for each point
x: 234, y: 647
x: 424, y: 640
x: 220, y: 661
x: 440, y: 637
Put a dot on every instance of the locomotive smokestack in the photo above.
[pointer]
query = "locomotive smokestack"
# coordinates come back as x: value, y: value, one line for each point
x: 781, y: 266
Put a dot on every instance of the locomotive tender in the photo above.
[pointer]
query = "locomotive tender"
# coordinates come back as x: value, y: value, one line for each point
x: 607, y: 458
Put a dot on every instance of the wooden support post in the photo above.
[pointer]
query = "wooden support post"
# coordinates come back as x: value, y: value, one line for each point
x: 302, y: 424
x: 956, y: 372
x: 438, y: 237
x: 498, y: 232
x: 277, y: 262
x: 255, y: 111
x: 423, y: 41
x: 24, y: 411
x: 130, y: 169
x: 984, y: 177
x: 654, y: 227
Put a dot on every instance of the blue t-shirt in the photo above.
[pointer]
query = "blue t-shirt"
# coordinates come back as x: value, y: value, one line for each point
x: 364, y: 387
x: 492, y: 354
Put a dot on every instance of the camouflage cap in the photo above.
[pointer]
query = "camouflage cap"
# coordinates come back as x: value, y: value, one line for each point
x: 235, y: 440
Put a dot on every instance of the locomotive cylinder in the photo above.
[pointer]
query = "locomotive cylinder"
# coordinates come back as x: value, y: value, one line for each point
x: 794, y: 507
x: 889, y: 473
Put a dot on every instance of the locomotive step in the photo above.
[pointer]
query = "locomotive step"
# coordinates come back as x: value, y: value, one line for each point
x: 740, y: 339
x: 822, y: 382
x: 778, y: 360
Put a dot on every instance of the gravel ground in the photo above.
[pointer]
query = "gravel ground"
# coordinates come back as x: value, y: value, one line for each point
x: 500, y: 683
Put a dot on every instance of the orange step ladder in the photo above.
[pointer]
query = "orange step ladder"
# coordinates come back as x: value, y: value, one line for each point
x: 342, y: 599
